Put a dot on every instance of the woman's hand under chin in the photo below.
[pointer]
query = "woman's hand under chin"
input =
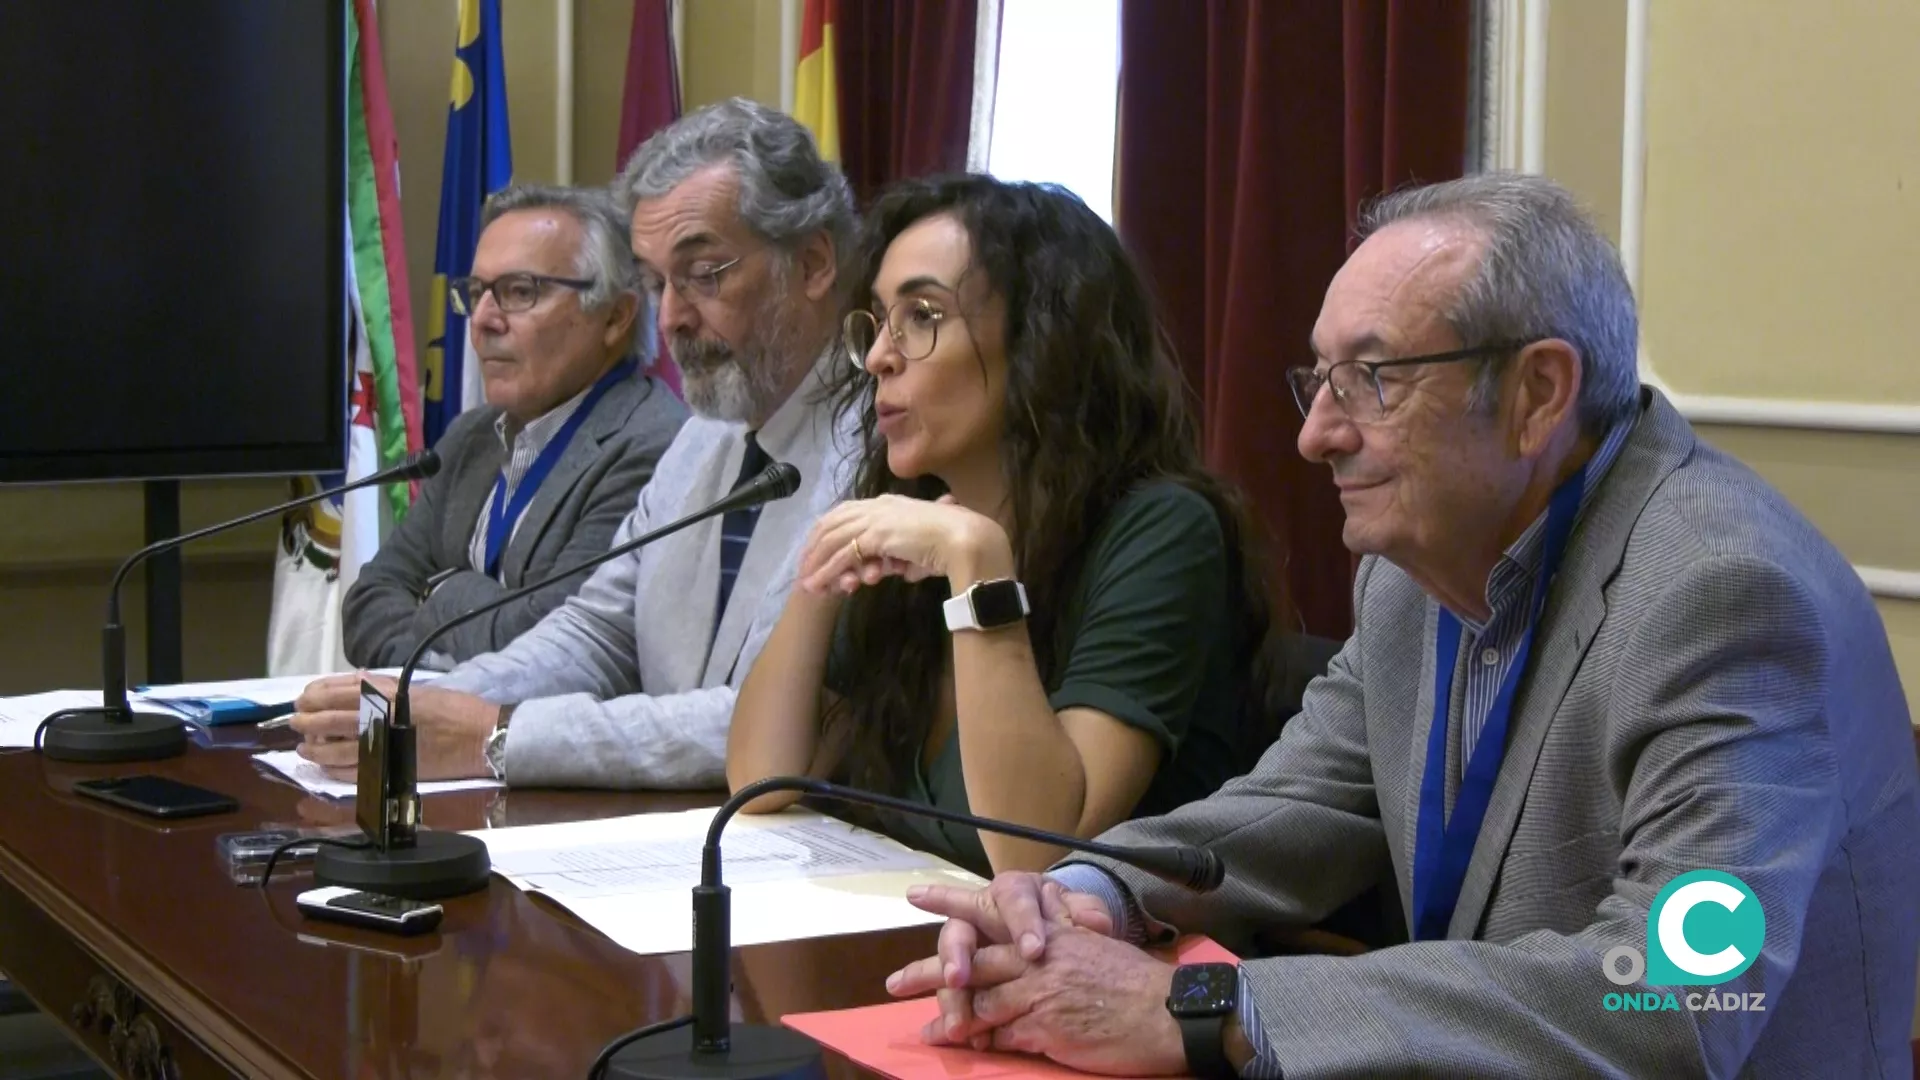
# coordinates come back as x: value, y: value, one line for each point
x: 863, y: 541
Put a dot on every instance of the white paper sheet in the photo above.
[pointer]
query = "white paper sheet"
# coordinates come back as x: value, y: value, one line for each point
x: 19, y: 716
x: 276, y: 691
x: 793, y: 875
x: 291, y: 765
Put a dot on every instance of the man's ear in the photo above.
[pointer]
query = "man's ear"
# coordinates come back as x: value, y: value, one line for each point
x: 819, y: 265
x: 626, y: 308
x: 1546, y: 392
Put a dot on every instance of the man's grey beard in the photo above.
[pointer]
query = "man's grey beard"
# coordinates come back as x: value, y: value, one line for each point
x: 739, y: 385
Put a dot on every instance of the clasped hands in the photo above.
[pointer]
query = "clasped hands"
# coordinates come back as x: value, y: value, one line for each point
x: 1023, y: 965
x: 864, y: 541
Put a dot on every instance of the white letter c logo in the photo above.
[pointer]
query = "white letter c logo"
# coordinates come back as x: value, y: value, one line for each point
x: 1673, y: 937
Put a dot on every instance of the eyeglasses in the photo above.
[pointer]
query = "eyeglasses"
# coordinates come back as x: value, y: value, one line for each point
x: 913, y: 324
x: 700, y: 280
x: 1356, y: 383
x: 513, y: 292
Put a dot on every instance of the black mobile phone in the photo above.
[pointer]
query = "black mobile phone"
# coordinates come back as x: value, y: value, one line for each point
x: 158, y: 796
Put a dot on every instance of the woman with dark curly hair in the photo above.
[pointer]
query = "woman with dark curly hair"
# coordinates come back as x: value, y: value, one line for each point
x: 1037, y: 604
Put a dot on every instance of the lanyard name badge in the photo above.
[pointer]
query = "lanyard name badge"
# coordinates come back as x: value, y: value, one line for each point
x: 504, y: 513
x: 1445, y: 845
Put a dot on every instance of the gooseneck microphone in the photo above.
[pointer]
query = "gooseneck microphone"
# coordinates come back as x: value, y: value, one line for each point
x: 402, y: 859
x: 713, y: 1048
x: 114, y: 731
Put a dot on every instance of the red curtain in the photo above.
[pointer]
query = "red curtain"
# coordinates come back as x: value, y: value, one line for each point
x: 905, y: 74
x: 1250, y: 132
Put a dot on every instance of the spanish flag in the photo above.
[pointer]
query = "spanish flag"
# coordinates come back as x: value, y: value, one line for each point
x: 816, y: 99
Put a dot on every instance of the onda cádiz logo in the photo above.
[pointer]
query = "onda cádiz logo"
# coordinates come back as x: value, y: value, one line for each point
x: 1704, y: 928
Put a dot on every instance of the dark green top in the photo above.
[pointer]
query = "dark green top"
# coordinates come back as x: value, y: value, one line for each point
x: 1146, y: 636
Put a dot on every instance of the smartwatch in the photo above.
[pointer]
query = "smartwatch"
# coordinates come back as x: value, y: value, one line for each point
x: 986, y: 605
x: 1202, y: 998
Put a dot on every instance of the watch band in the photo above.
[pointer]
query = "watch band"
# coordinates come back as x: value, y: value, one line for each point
x: 496, y: 749
x: 960, y: 610
x: 1204, y: 1039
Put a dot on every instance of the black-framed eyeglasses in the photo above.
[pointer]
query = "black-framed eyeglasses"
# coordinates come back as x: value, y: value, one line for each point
x: 1356, y: 383
x: 912, y: 323
x: 701, y: 279
x: 515, y: 292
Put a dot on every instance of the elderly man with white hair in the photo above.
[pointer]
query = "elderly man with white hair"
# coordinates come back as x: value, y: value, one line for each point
x: 739, y: 229
x: 541, y: 476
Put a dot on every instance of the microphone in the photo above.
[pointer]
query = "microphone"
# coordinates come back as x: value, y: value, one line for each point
x: 402, y: 859
x: 714, y: 1048
x: 114, y: 731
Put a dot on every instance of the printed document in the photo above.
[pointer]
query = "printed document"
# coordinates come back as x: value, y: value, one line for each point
x: 796, y: 874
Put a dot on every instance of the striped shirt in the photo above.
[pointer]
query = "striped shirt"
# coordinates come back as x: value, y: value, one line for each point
x: 522, y: 448
x: 1490, y: 649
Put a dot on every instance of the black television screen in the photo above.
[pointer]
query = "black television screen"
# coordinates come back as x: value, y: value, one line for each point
x: 174, y: 284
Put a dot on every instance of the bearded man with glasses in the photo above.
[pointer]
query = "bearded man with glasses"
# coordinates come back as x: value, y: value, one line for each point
x: 541, y: 476
x: 737, y: 230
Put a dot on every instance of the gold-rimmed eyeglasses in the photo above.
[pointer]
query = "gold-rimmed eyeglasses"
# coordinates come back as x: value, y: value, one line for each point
x: 913, y: 324
x: 1356, y: 383
x: 700, y: 280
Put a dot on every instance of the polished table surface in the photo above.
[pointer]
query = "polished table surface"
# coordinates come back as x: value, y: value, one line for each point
x: 107, y: 911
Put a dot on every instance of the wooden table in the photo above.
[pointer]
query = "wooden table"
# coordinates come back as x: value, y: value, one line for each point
x: 128, y: 930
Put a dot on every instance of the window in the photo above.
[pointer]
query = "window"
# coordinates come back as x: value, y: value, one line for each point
x: 1056, y: 100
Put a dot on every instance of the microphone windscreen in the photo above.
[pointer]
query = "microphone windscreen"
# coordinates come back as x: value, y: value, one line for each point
x: 782, y: 478
x: 421, y: 465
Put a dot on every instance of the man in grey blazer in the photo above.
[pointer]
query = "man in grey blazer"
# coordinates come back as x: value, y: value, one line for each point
x: 739, y: 228
x: 542, y: 476
x: 1646, y: 664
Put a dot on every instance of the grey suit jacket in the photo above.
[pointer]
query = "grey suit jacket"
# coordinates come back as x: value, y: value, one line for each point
x: 1711, y: 688
x: 571, y: 519
x: 630, y: 684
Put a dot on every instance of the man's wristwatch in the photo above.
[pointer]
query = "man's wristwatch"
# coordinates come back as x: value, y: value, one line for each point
x: 434, y: 582
x: 1203, y: 997
x: 497, y: 744
x: 985, y: 605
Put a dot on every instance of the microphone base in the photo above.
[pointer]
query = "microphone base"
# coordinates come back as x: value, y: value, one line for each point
x: 97, y: 737
x: 758, y: 1052
x: 439, y: 864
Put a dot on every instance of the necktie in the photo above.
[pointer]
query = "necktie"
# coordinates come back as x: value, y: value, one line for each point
x: 736, y: 526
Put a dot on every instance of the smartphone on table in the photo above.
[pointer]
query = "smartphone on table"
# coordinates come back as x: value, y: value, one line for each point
x: 156, y: 796
x: 373, y: 911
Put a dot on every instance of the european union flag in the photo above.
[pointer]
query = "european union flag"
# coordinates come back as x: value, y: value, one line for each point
x: 479, y: 162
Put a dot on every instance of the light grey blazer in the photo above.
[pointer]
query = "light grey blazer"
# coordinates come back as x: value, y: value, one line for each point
x: 619, y: 687
x: 1712, y: 688
x: 570, y: 519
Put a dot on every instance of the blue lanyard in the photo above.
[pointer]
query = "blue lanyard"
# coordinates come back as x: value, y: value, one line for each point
x: 1445, y: 845
x: 503, y: 512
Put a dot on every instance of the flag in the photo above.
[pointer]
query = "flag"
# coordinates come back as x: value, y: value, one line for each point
x: 324, y: 545
x: 479, y: 162
x: 649, y: 102
x: 651, y: 99
x: 816, y: 97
